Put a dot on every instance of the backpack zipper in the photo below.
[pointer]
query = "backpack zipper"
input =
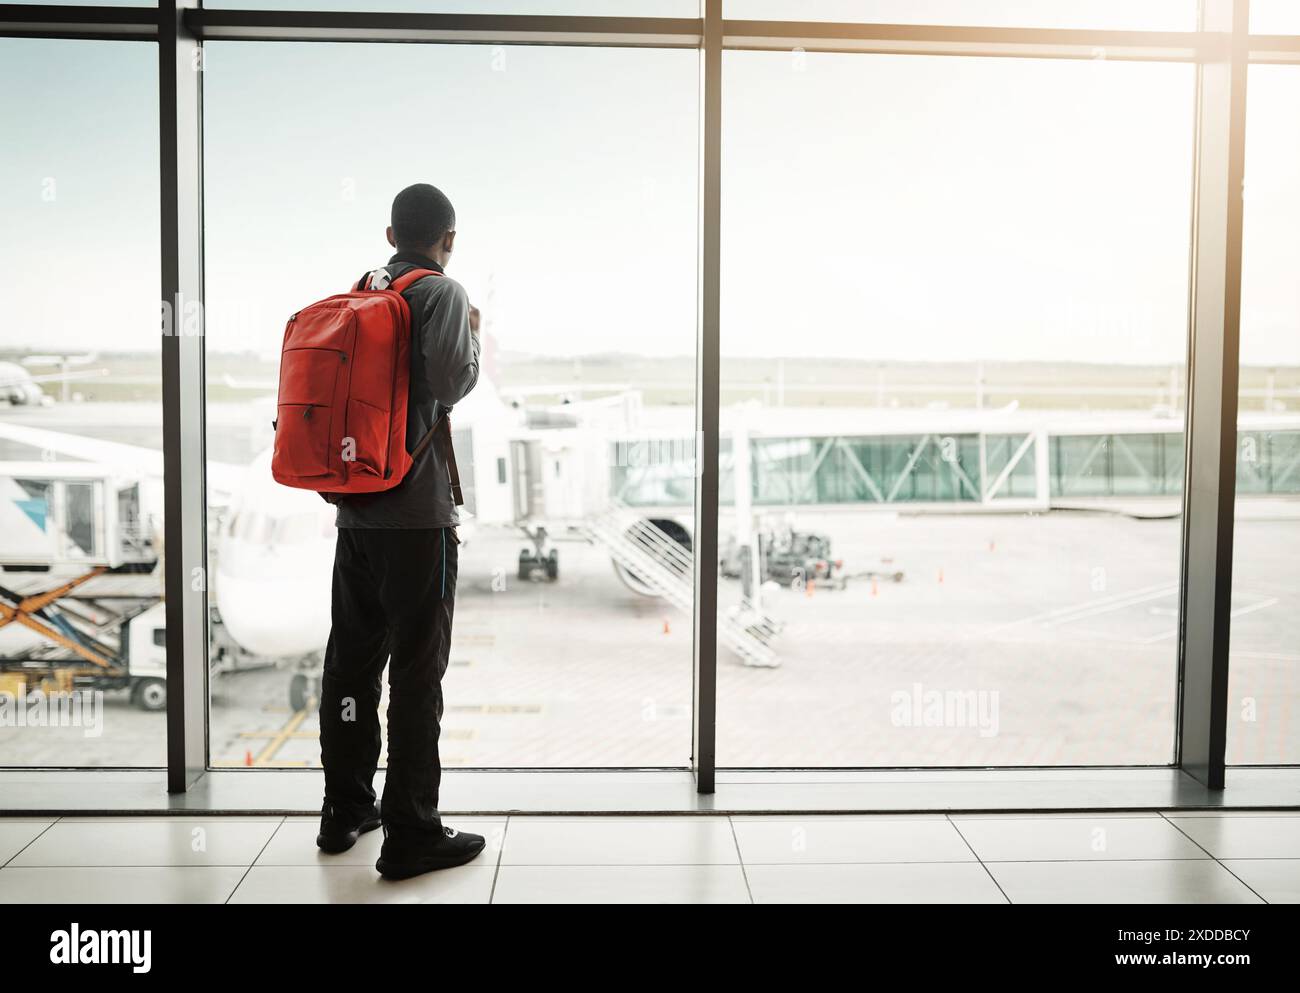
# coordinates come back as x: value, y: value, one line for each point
x: 388, y: 467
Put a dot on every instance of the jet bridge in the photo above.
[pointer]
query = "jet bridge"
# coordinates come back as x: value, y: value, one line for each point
x: 76, y: 514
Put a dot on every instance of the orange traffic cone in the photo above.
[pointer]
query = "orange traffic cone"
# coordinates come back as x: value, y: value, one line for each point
x: 666, y: 628
x: 248, y: 757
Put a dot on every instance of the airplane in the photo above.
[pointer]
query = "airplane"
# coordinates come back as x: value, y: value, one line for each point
x: 19, y: 387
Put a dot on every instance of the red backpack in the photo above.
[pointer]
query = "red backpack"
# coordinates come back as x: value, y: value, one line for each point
x: 345, y: 366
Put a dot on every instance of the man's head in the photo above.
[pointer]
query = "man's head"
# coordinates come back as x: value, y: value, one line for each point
x: 423, y: 221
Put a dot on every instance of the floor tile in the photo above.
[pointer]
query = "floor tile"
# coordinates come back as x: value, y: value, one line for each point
x: 1166, y: 881
x: 1276, y: 880
x: 1233, y: 813
x: 904, y: 882
x: 868, y: 838
x: 145, y: 841
x: 1230, y: 836
x: 620, y: 884
x: 118, y: 884
x: 361, y: 884
x: 1075, y: 837
x: 619, y: 841
x: 17, y: 832
x: 1023, y: 816
x: 295, y: 843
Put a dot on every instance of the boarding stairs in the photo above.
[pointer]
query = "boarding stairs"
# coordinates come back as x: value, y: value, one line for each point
x: 666, y: 569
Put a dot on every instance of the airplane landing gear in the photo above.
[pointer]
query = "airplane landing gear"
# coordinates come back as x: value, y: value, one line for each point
x: 303, y: 689
x: 538, y: 565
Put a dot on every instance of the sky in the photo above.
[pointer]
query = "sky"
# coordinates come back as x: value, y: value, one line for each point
x: 875, y: 207
x: 1266, y: 16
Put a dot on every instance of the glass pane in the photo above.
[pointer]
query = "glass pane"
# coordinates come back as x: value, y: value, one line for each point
x: 573, y: 174
x: 1274, y: 17
x: 1126, y: 15
x: 81, y: 502
x: 1264, y: 693
x: 625, y: 8
x: 954, y: 328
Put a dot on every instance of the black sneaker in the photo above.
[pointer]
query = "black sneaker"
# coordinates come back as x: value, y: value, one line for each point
x: 404, y: 859
x: 339, y: 832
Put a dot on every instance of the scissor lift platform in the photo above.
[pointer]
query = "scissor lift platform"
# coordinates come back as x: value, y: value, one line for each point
x: 82, y: 623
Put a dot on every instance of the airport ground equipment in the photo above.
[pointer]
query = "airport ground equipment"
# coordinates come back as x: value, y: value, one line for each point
x: 653, y: 562
x: 99, y: 630
x: 787, y: 557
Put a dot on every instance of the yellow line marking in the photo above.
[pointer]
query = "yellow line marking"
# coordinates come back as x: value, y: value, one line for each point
x: 276, y: 743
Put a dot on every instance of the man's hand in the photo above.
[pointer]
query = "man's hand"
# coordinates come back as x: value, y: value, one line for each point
x: 473, y: 319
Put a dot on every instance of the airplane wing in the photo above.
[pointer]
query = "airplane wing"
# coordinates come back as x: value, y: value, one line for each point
x: 223, y: 477
x: 54, y: 377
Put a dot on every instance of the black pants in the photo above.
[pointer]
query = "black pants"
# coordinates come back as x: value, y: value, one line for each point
x: 393, y: 595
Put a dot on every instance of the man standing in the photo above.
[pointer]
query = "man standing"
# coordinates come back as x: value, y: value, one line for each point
x: 395, y: 581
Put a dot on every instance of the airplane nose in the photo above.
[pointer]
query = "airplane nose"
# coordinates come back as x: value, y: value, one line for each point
x: 281, y: 610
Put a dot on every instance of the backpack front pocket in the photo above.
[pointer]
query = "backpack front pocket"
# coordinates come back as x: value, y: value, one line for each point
x: 309, y: 379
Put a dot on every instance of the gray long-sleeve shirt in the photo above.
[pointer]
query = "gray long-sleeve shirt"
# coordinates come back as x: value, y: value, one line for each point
x: 444, y: 368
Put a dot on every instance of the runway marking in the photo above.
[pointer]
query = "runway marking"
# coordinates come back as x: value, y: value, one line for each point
x: 1131, y: 601
x: 1088, y: 608
x: 1239, y: 612
x: 1266, y: 656
x: 275, y: 734
x: 278, y: 738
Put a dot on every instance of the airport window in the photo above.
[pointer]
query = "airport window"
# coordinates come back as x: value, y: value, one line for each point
x: 1126, y: 15
x: 80, y: 403
x: 971, y: 297
x: 1264, y: 693
x: 953, y: 302
x: 551, y: 246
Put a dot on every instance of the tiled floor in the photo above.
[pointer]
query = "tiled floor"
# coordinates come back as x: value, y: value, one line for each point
x: 1229, y: 857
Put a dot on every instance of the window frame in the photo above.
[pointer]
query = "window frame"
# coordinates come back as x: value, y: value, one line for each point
x: 1222, y: 48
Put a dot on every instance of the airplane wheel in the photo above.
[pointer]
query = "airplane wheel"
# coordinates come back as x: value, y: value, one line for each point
x: 299, y: 691
x: 553, y: 565
x: 151, y: 695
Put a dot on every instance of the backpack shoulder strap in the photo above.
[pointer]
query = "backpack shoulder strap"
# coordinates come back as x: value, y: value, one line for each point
x: 400, y: 284
x: 403, y: 282
x: 441, y: 431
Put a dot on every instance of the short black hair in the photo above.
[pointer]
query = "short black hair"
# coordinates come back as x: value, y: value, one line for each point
x: 422, y: 214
